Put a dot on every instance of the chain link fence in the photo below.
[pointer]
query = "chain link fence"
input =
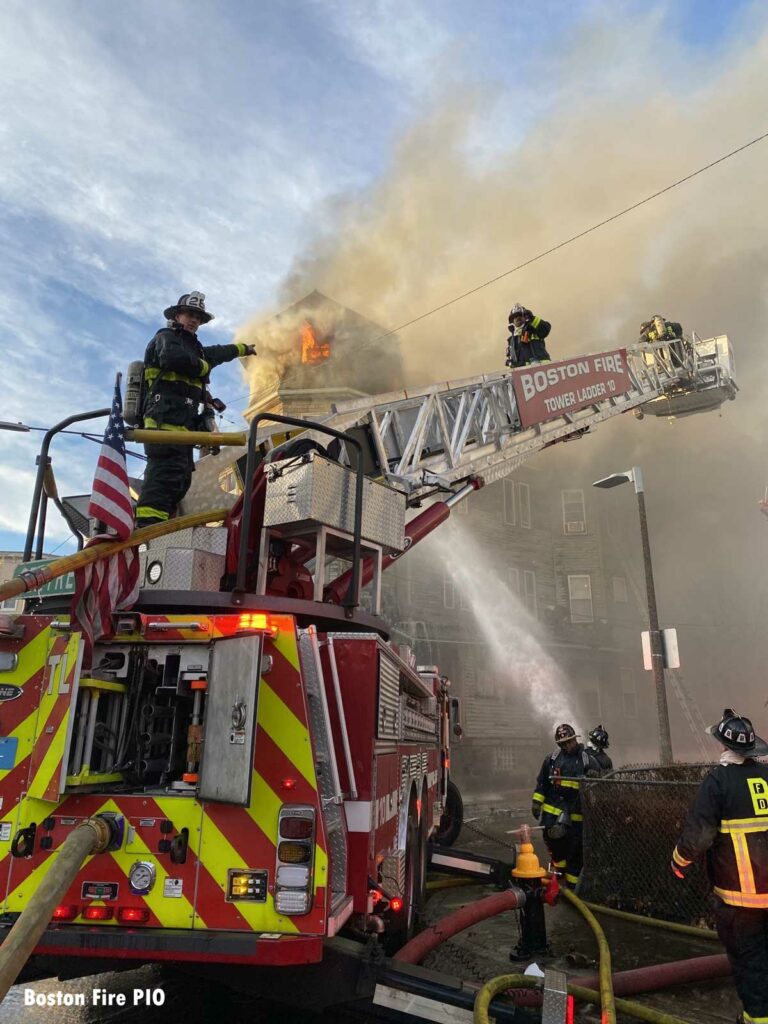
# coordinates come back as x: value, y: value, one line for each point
x: 632, y: 820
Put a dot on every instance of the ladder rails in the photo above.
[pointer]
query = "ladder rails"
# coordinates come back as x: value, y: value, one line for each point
x: 439, y: 436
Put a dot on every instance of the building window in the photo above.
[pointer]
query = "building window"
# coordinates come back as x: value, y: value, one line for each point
x: 229, y: 481
x: 580, y: 597
x: 619, y: 590
x: 628, y: 692
x: 504, y: 759
x: 529, y: 585
x: 513, y: 580
x: 510, y: 518
x: 574, y: 515
x: 524, y: 497
x: 449, y: 591
x: 464, y: 602
x: 591, y: 701
x: 12, y: 604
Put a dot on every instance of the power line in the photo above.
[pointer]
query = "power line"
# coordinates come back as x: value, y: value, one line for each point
x: 561, y: 245
x: 580, y: 234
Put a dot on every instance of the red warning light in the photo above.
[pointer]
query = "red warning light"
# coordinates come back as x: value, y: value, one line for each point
x: 97, y: 913
x: 133, y: 915
x: 65, y: 912
x: 396, y: 904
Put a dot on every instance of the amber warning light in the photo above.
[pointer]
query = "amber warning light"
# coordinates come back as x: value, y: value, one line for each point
x: 313, y: 349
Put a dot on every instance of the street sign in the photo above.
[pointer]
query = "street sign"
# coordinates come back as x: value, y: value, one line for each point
x: 669, y: 649
x: 62, y: 585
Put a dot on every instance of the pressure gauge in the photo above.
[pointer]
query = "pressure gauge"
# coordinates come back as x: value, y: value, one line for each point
x: 141, y: 877
x: 154, y: 572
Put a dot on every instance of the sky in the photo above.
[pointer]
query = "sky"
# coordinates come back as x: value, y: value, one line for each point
x: 252, y: 151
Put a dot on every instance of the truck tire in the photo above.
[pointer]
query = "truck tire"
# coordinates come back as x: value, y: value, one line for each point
x: 403, y: 928
x: 452, y: 819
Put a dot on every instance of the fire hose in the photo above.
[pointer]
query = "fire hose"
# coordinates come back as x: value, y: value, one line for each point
x: 92, y: 836
x: 505, y: 981
x: 35, y: 578
x: 606, y: 981
x: 654, y: 922
x: 413, y: 952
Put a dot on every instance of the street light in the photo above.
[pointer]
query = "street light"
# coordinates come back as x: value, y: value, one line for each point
x: 657, y: 657
x: 21, y: 427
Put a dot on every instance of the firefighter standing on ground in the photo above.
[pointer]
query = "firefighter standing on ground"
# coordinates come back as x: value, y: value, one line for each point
x: 596, y: 747
x: 557, y: 801
x: 526, y: 337
x: 728, y: 821
x: 176, y: 374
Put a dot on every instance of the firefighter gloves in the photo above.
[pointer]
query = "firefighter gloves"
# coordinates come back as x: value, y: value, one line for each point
x: 536, y: 810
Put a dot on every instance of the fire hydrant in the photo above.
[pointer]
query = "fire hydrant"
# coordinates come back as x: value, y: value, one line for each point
x: 529, y: 874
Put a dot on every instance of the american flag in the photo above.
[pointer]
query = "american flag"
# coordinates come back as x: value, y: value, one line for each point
x: 109, y: 584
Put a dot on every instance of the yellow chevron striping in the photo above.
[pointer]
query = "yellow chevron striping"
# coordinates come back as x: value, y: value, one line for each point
x: 321, y: 872
x: 49, y: 765
x: 290, y: 735
x: 265, y: 806
x: 285, y: 643
x: 56, y: 674
x: 219, y: 855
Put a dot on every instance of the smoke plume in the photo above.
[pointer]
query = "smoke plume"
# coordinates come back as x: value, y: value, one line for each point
x: 630, y: 111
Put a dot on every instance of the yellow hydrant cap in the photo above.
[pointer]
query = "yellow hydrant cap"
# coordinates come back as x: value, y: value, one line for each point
x: 527, y: 863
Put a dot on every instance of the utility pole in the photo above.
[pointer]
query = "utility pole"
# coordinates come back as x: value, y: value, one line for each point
x: 635, y: 476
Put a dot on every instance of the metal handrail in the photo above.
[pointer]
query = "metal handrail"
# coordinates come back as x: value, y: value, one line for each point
x: 42, y: 465
x: 352, y: 599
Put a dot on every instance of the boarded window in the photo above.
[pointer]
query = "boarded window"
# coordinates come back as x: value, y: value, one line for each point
x: 580, y: 597
x: 524, y: 499
x: 529, y: 586
x: 574, y: 514
x: 619, y: 590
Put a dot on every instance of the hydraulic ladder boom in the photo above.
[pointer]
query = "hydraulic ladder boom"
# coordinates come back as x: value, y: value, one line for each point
x: 441, y: 435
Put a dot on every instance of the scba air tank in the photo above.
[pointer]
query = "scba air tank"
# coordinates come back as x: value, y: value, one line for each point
x: 133, y: 387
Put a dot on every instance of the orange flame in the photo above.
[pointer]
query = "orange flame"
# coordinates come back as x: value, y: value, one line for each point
x: 313, y: 351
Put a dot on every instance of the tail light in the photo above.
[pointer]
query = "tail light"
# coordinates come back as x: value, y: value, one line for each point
x: 65, y: 912
x: 295, y: 859
x: 98, y: 913
x: 133, y: 915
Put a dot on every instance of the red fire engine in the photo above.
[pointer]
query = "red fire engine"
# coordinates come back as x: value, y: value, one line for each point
x: 268, y: 766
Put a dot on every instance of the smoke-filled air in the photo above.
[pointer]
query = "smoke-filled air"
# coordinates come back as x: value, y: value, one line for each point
x: 479, y: 184
x: 515, y: 655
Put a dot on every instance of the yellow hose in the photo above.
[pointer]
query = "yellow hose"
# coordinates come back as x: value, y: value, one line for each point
x: 607, y: 1003
x: 588, y: 995
x: 654, y: 922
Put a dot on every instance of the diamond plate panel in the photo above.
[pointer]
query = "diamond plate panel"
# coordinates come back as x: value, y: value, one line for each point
x: 318, y: 491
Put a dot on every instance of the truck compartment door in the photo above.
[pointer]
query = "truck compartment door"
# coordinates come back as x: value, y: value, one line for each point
x: 233, y: 688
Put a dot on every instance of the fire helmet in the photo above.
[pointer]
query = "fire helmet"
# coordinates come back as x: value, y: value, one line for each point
x: 565, y: 732
x: 599, y: 737
x: 737, y: 733
x: 517, y: 310
x: 192, y: 301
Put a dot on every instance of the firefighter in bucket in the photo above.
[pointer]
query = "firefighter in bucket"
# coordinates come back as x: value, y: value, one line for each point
x: 175, y: 388
x: 557, y: 802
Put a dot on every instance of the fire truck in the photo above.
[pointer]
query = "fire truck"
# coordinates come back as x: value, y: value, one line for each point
x: 269, y: 766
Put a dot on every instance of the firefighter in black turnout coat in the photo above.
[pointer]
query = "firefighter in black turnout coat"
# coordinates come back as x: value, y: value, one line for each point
x: 598, y: 743
x: 176, y: 375
x: 728, y: 822
x: 557, y: 801
x: 527, y: 333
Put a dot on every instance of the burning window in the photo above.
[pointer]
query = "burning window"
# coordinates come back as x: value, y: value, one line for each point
x: 314, y: 349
